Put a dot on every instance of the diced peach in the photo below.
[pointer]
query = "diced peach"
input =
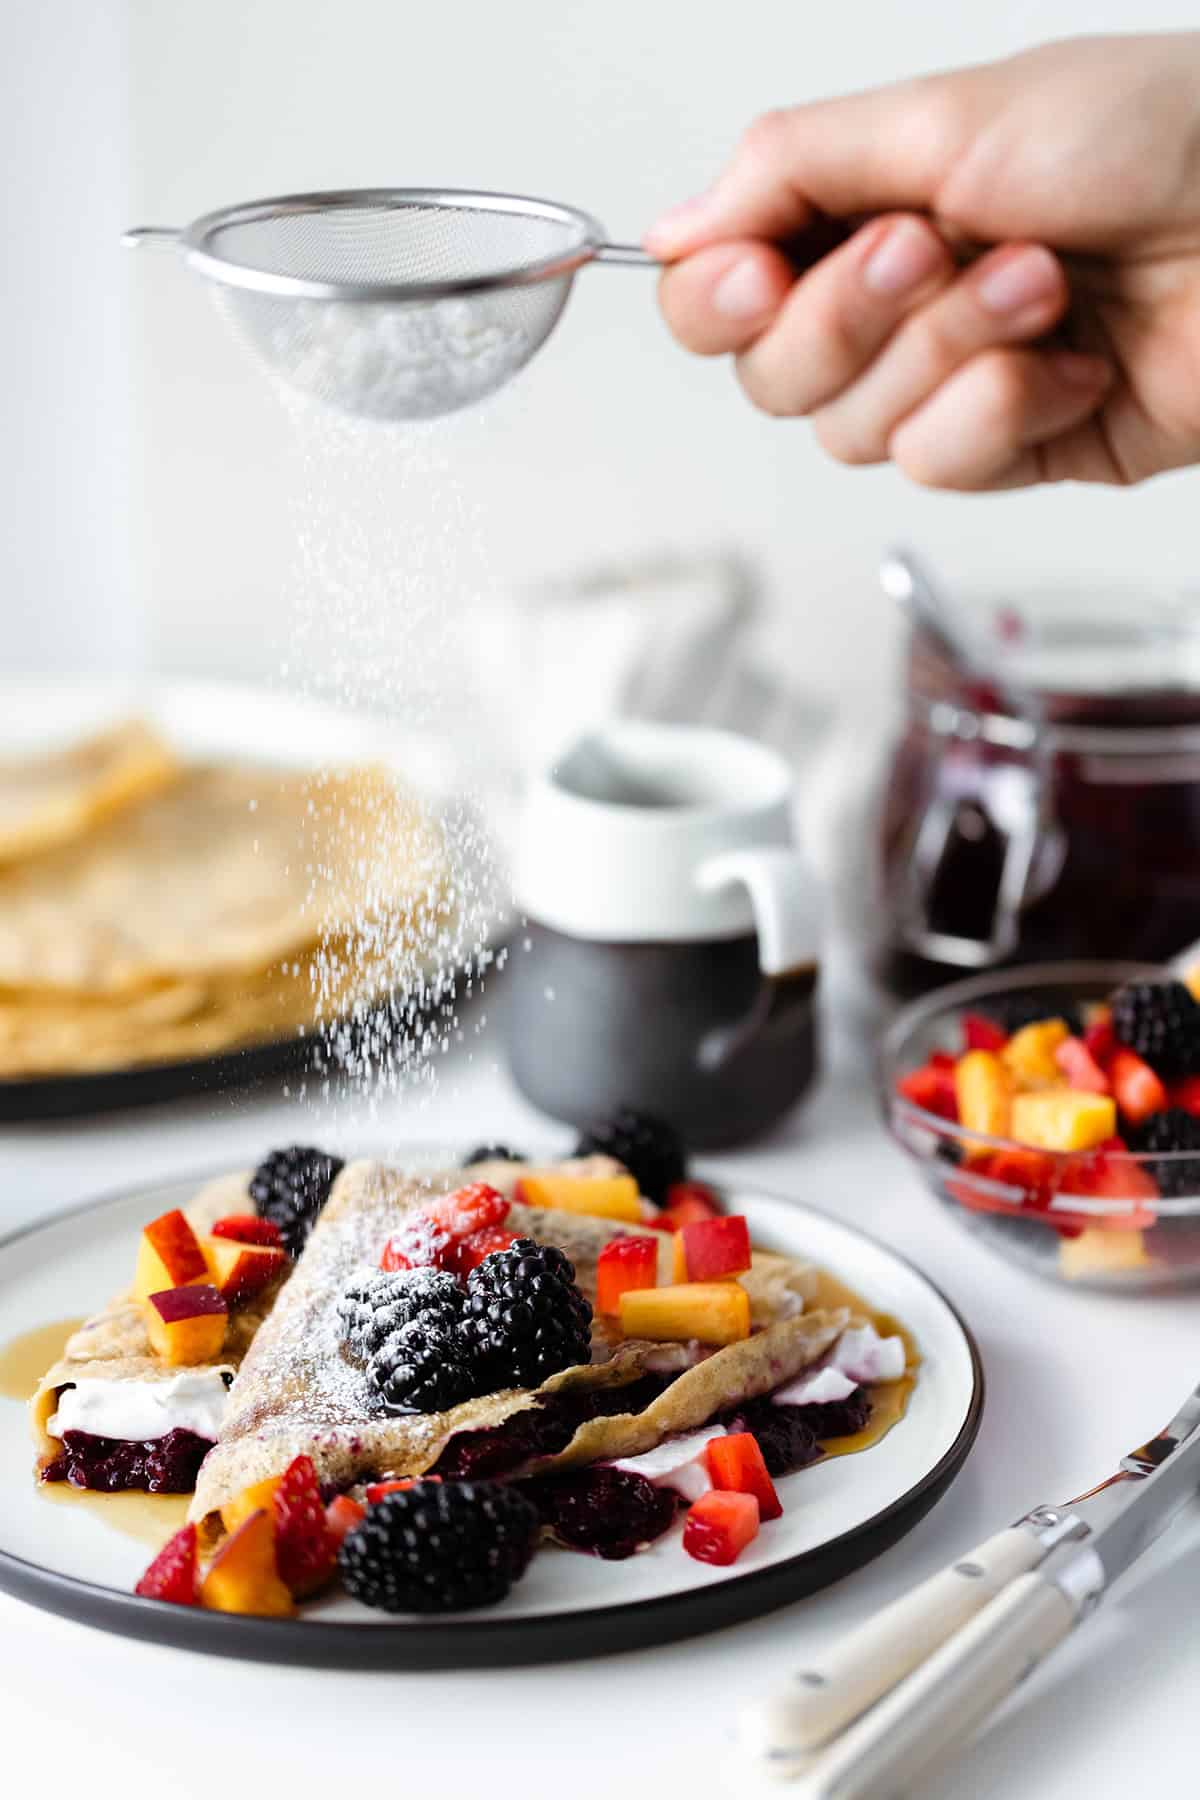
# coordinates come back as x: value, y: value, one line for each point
x: 1099, y: 1251
x: 186, y: 1324
x: 169, y: 1255
x: 260, y: 1494
x: 240, y: 1270
x: 624, y: 1264
x: 1029, y: 1053
x: 604, y: 1197
x: 1191, y: 981
x: 712, y: 1249
x: 1063, y: 1119
x: 242, y: 1577
x: 983, y: 1090
x: 712, y: 1312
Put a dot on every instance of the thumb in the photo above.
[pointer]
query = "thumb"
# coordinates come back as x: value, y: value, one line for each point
x: 888, y: 148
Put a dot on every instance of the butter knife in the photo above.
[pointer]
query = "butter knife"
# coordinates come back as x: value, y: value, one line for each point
x: 948, y: 1652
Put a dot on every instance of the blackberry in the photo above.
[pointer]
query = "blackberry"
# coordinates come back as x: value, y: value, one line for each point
x: 1160, y: 1021
x: 291, y: 1187
x: 429, y: 1365
x: 372, y: 1309
x: 492, y: 1153
x: 439, y: 1547
x: 1173, y: 1129
x: 649, y: 1148
x: 1014, y: 1011
x: 525, y: 1317
x: 609, y: 1512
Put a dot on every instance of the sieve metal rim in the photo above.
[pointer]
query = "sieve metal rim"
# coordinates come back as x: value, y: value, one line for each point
x: 195, y: 242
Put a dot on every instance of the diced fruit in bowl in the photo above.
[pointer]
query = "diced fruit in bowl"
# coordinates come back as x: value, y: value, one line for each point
x: 1063, y: 1119
x: 1080, y: 1067
x: 712, y: 1249
x: 1029, y: 1054
x: 1097, y: 1251
x: 604, y: 1197
x: 624, y: 1264
x: 169, y: 1255
x: 983, y: 1090
x: 240, y: 1270
x: 736, y: 1465
x: 982, y: 1033
x: 712, y: 1312
x: 243, y: 1577
x: 173, y: 1573
x: 186, y: 1324
x: 932, y: 1086
x: 1138, y: 1090
x: 720, y: 1525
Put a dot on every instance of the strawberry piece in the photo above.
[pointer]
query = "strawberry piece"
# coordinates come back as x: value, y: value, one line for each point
x: 1080, y: 1067
x: 1138, y: 1090
x: 931, y: 1087
x: 431, y: 1237
x: 720, y: 1525
x: 305, y: 1549
x: 461, y: 1258
x: 172, y: 1574
x: 1186, y: 1094
x: 1110, y: 1172
x: 687, y: 1203
x: 245, y: 1228
x: 341, y: 1516
x: 1100, y: 1038
x: 378, y: 1489
x: 982, y: 1033
x: 624, y: 1263
x: 736, y: 1465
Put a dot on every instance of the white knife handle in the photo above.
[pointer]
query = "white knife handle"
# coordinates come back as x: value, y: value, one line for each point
x: 838, y: 1684
x: 933, y: 1713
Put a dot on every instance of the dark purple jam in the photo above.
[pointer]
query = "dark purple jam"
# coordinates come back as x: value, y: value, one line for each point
x: 789, y: 1436
x: 607, y: 1512
x: 541, y: 1430
x: 161, y: 1465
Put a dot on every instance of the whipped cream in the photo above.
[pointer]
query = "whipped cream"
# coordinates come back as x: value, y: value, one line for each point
x: 859, y: 1358
x: 194, y: 1400
x: 677, y: 1463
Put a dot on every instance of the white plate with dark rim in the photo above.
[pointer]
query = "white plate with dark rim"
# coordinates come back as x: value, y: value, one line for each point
x: 203, y: 720
x: 57, y: 1552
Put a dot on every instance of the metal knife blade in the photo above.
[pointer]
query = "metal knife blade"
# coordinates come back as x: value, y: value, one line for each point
x: 1122, y: 1516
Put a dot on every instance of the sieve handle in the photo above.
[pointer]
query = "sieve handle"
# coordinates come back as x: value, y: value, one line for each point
x: 154, y: 237
x: 632, y: 255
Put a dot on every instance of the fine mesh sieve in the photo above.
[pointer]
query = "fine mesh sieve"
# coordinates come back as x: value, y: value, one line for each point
x: 393, y: 303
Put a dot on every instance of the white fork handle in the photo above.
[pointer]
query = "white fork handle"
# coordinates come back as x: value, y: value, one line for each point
x: 925, y: 1721
x: 842, y: 1682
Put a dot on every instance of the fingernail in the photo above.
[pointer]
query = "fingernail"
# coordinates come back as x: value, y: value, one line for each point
x: 744, y: 291
x: 907, y: 256
x: 1082, y: 371
x: 1020, y: 281
x: 674, y: 227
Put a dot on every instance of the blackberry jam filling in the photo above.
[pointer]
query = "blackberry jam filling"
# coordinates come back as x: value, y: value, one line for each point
x: 541, y: 1430
x: 607, y: 1512
x: 161, y: 1465
x: 789, y: 1436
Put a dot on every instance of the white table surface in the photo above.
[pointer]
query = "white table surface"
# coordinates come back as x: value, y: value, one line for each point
x: 1074, y: 1380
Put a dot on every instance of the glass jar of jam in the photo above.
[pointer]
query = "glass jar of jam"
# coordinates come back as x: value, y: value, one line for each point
x: 1073, y: 831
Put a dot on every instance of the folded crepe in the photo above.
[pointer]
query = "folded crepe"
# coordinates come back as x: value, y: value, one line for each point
x: 112, y: 1345
x: 297, y: 1393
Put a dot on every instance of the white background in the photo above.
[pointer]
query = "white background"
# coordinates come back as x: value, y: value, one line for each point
x: 149, y: 475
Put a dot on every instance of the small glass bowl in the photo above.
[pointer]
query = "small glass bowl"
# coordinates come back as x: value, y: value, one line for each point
x: 1024, y: 1206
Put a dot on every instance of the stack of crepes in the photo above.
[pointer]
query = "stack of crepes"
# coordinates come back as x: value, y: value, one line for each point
x: 153, y: 910
x: 298, y: 1392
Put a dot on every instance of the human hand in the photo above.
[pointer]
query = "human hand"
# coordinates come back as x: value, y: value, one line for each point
x: 1079, y: 161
